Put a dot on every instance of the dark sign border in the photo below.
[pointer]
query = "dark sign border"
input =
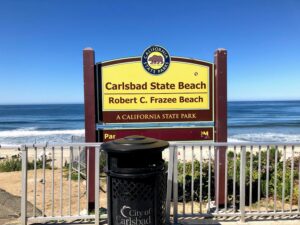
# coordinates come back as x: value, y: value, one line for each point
x: 109, y: 117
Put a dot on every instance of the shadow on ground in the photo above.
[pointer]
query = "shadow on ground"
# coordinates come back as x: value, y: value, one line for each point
x: 10, y: 207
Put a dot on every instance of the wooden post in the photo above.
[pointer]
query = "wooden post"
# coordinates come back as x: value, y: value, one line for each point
x: 90, y: 118
x: 220, y: 114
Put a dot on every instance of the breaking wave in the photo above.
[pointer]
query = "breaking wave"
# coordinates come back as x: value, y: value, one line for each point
x: 31, y: 135
x: 264, y: 137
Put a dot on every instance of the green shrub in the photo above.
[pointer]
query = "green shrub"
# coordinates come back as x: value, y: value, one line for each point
x: 11, y: 165
x: 255, y: 177
x: 15, y: 164
x: 74, y: 176
x: 188, y: 180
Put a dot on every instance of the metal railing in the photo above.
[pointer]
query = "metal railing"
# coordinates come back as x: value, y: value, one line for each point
x: 59, y: 191
x: 57, y: 183
x: 259, y: 180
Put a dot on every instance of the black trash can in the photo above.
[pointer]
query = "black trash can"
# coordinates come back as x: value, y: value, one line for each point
x: 137, y: 181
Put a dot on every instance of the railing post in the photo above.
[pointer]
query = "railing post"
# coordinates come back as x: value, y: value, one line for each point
x: 175, y: 187
x: 169, y: 183
x: 242, y: 183
x: 24, y: 186
x: 97, y: 162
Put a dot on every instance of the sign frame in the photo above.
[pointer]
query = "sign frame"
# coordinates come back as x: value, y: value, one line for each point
x: 206, y: 115
x: 219, y: 116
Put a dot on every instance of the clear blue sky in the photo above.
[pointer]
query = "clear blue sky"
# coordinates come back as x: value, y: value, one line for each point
x: 41, y: 43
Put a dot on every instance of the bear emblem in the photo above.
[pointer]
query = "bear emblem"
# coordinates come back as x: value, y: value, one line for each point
x: 156, y: 59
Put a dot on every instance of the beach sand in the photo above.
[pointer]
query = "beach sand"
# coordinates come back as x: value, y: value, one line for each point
x: 11, y: 182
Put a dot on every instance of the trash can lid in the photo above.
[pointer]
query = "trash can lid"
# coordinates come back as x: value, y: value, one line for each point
x: 134, y: 143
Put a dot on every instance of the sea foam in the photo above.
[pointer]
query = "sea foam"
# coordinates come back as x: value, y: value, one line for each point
x: 264, y: 137
x: 36, y: 133
x: 32, y: 136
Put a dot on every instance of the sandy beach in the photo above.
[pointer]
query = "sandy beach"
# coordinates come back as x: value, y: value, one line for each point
x: 11, y: 182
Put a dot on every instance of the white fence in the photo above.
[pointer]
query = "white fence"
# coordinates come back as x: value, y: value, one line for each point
x: 260, y: 180
x: 56, y: 187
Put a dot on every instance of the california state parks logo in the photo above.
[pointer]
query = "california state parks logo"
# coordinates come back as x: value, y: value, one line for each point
x: 156, y: 60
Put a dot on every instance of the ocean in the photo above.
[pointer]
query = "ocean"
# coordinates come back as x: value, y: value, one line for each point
x: 247, y: 121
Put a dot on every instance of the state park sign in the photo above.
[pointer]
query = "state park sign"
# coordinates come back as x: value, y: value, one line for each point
x: 151, y: 89
x: 154, y: 88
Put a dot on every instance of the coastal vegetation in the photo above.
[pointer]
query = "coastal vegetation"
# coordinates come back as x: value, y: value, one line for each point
x: 15, y: 164
x: 282, y: 176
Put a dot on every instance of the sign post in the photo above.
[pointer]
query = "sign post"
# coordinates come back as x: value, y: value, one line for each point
x: 220, y: 121
x: 90, y: 118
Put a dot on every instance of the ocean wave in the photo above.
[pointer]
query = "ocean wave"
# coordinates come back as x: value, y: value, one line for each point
x: 14, y: 122
x: 264, y: 137
x: 30, y: 132
x: 265, y: 125
x: 232, y: 140
x: 62, y: 120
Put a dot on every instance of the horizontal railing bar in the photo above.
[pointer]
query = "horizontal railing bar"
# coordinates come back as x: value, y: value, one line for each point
x: 58, y: 218
x: 12, y: 147
x: 220, y: 144
x: 50, y: 218
x: 179, y: 144
x: 272, y: 213
x: 73, y: 144
x: 209, y: 214
x: 220, y: 213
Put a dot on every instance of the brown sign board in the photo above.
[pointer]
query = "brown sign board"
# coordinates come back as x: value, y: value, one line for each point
x: 163, y: 133
x: 163, y: 92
